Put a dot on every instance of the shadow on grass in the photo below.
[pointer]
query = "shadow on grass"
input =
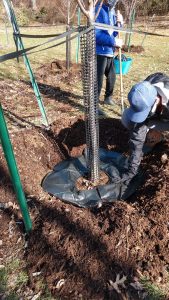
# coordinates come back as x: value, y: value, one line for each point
x: 18, y: 121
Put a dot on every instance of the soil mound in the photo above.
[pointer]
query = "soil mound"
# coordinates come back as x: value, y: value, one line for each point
x: 133, y: 48
x: 58, y: 69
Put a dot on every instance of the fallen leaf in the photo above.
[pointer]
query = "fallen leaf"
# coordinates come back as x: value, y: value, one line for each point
x: 115, y: 285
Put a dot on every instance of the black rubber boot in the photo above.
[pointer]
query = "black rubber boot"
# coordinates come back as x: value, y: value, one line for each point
x: 102, y: 113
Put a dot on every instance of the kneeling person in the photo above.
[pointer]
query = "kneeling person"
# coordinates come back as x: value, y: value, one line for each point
x: 149, y: 110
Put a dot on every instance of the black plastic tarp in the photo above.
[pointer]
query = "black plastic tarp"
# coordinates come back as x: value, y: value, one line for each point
x: 61, y: 182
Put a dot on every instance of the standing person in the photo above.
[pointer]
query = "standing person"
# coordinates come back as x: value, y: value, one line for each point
x: 147, y: 116
x: 106, y: 42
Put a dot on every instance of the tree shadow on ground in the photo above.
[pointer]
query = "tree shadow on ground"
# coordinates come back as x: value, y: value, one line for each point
x: 5, y: 180
x: 18, y: 121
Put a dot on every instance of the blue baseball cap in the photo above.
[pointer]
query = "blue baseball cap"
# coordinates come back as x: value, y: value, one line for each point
x: 141, y: 98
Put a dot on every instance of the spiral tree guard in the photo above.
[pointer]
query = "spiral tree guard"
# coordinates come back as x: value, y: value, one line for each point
x: 90, y: 96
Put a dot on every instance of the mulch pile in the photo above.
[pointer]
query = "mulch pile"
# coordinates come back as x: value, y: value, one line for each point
x: 57, y: 68
x: 133, y: 49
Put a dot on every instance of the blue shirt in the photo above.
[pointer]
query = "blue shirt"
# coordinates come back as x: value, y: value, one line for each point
x: 105, y: 40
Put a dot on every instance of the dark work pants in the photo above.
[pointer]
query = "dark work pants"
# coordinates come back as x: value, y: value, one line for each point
x: 105, y: 66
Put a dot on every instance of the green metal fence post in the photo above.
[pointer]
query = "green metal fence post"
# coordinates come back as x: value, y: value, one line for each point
x: 12, y: 166
x: 19, y: 42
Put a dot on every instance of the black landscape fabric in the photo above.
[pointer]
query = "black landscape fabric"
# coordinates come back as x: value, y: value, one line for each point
x: 61, y: 182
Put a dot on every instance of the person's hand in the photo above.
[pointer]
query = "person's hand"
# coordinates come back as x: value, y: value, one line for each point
x: 116, y: 179
x: 155, y: 105
x: 126, y: 178
x: 119, y: 16
x: 119, y: 42
x: 125, y: 182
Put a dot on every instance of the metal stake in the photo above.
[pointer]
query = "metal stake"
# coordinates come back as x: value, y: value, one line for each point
x: 12, y: 166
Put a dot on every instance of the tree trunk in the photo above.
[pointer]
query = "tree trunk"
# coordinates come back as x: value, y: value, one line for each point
x: 34, y: 5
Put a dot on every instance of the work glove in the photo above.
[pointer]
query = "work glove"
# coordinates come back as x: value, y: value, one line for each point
x: 119, y: 18
x: 116, y: 179
x: 126, y: 178
x: 118, y: 42
x: 125, y: 182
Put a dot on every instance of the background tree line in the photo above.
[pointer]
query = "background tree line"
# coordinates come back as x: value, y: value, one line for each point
x: 55, y: 11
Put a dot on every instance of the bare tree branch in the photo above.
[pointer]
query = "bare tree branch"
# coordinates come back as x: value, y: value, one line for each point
x: 96, y: 1
x: 82, y: 7
x: 63, y: 8
x: 74, y: 11
x: 62, y: 13
x: 100, y: 6
x: 129, y: 6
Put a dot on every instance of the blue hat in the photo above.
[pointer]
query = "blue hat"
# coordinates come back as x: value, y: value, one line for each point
x: 141, y: 97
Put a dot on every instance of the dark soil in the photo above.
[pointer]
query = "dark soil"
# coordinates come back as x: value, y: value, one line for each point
x: 79, y: 253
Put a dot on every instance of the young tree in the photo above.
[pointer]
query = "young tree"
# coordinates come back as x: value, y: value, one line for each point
x: 67, y: 9
x: 157, y: 7
x: 88, y: 8
x: 34, y: 4
x: 130, y: 7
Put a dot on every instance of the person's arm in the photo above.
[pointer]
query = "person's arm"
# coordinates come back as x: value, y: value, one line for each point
x: 118, y: 21
x: 136, y: 142
x: 103, y: 38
